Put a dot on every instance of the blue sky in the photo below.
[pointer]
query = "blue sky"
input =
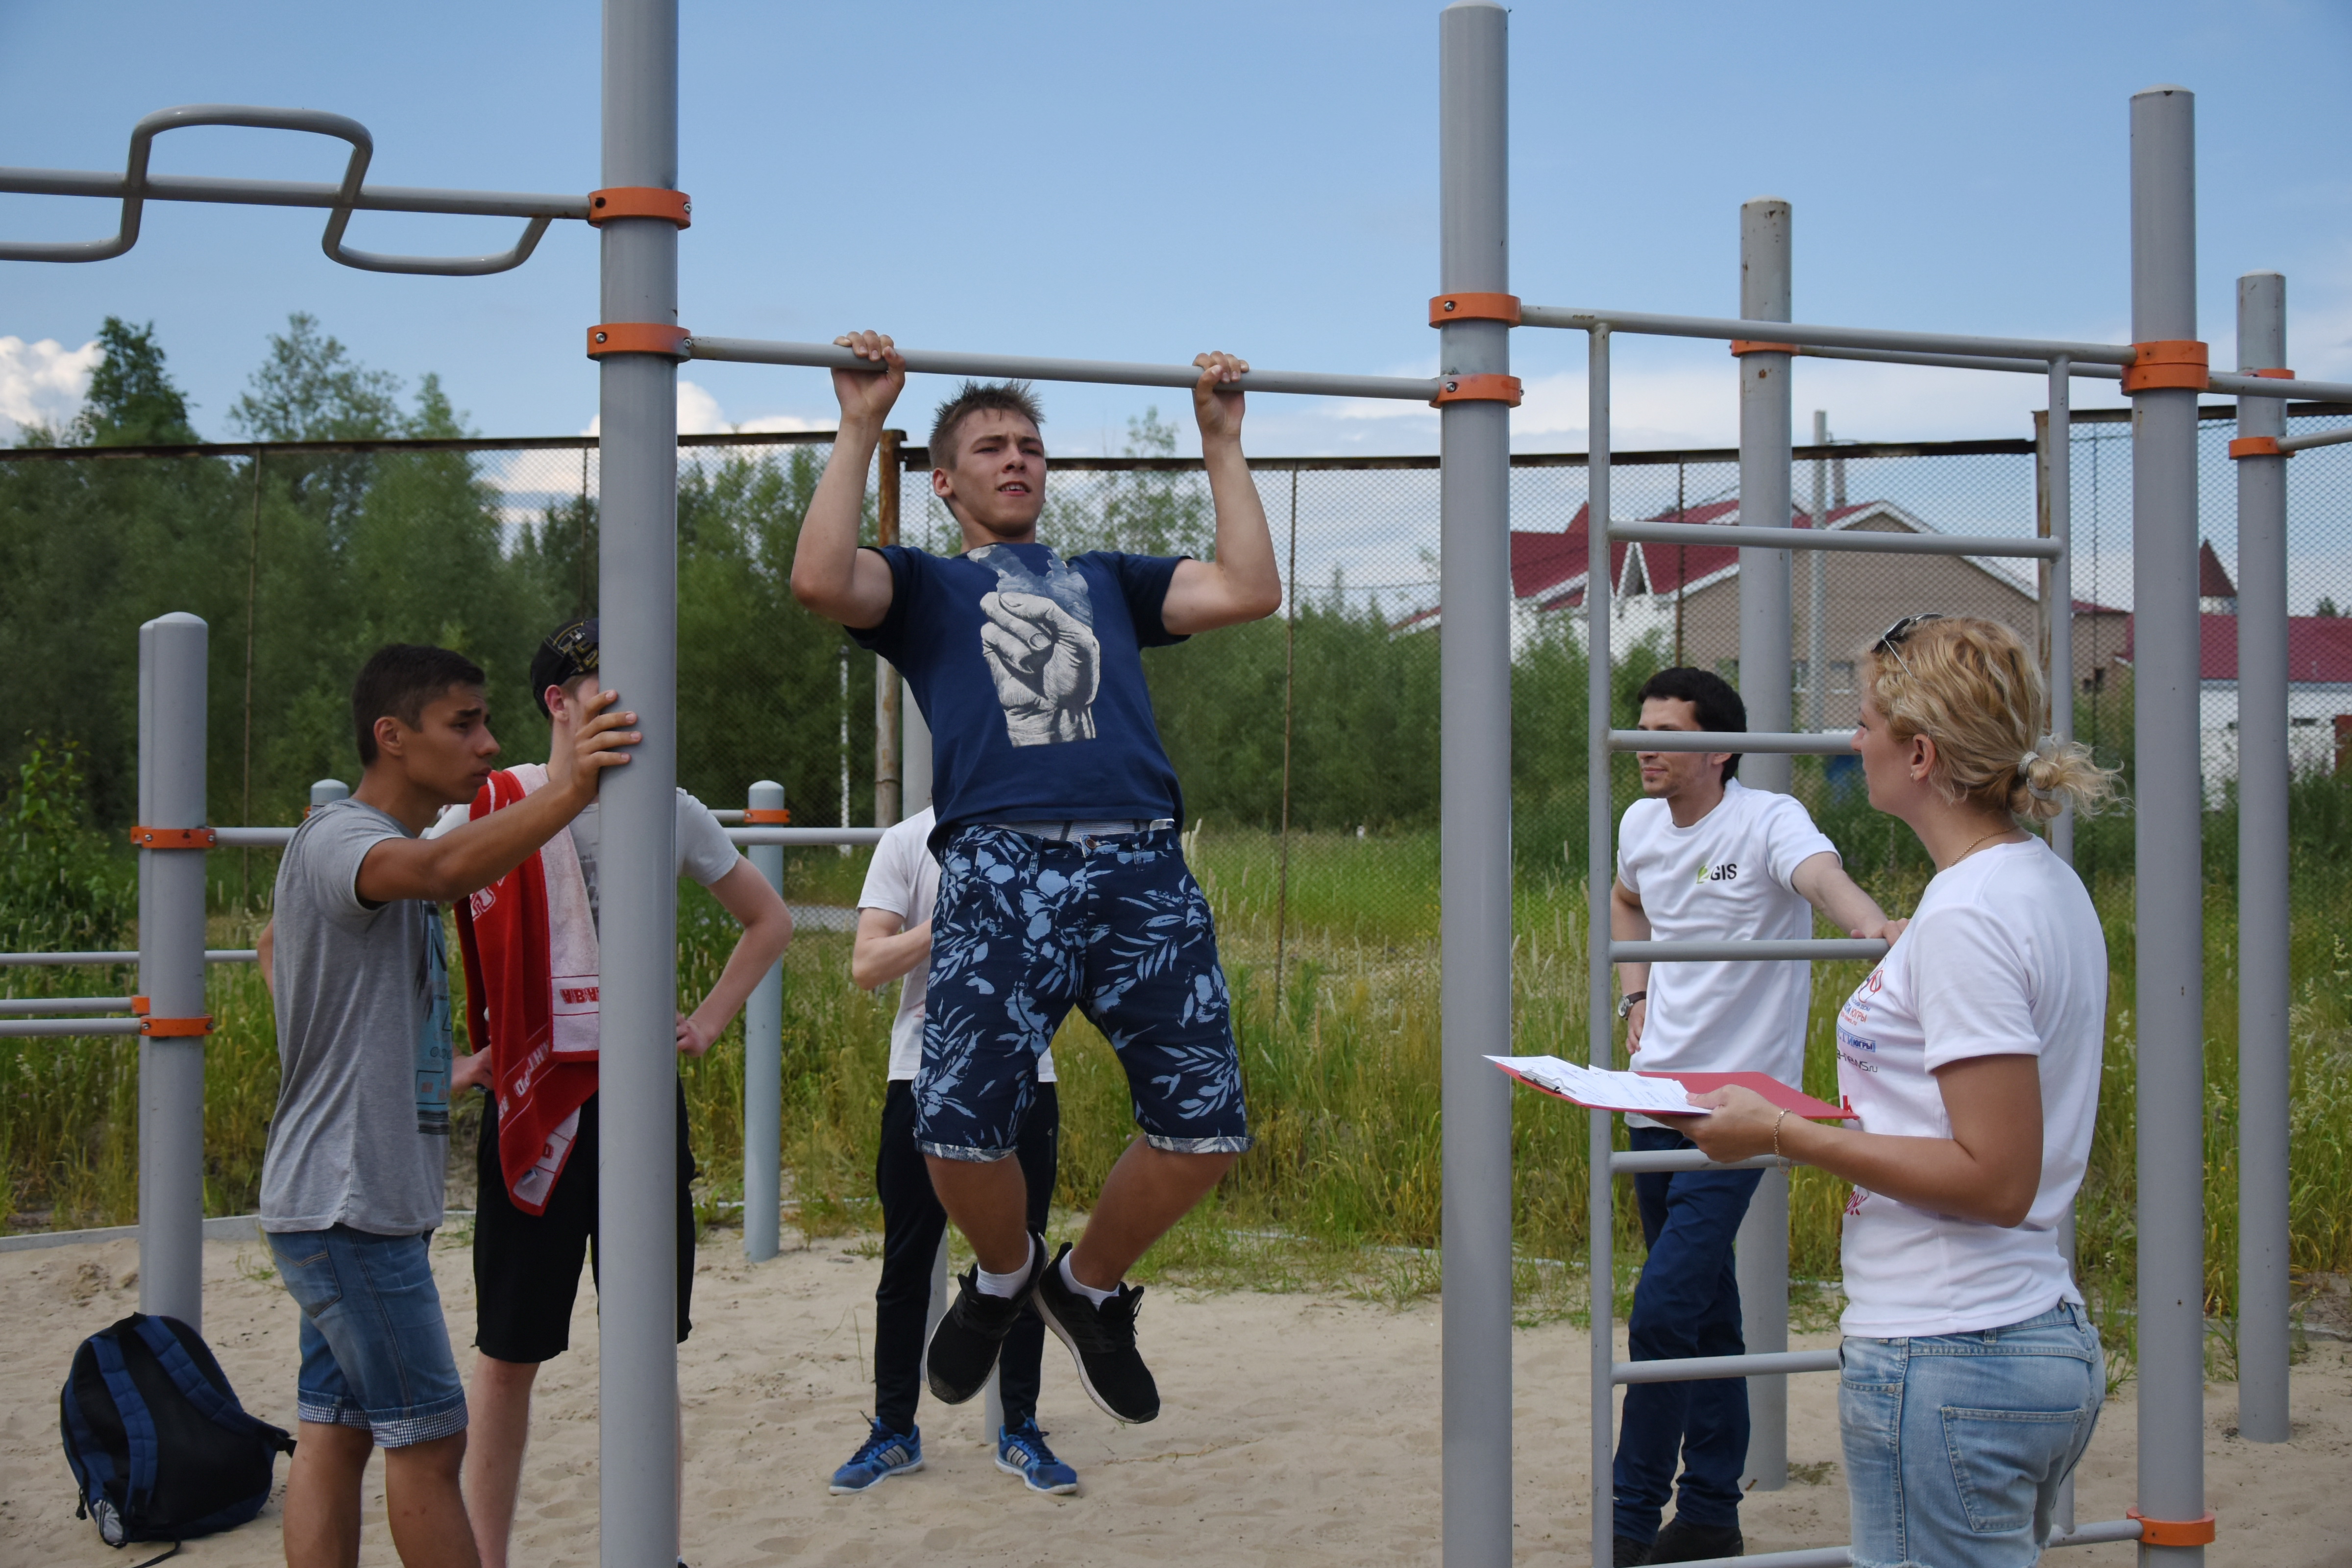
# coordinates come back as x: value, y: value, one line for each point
x: 1139, y: 182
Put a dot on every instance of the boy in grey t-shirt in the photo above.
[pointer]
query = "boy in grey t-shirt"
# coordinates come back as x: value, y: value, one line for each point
x: 351, y: 1185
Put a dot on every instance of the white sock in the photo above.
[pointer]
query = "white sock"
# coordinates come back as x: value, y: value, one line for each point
x: 1088, y: 1292
x: 1007, y: 1285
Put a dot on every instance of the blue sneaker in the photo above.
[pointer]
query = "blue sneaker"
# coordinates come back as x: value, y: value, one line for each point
x: 1021, y: 1451
x: 884, y: 1454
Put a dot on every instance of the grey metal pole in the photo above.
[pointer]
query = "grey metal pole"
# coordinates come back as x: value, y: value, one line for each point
x: 2169, y: 982
x: 914, y: 754
x: 2058, y: 523
x: 1601, y: 1196
x: 172, y: 656
x: 1475, y: 789
x: 2262, y: 767
x: 763, y: 1070
x: 1817, y: 603
x: 1766, y: 642
x: 637, y: 567
x: 326, y: 791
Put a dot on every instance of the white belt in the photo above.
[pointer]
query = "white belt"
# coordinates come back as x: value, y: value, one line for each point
x: 1066, y: 831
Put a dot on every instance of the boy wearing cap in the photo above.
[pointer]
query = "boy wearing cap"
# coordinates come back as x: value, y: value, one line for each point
x: 532, y: 974
x: 1062, y: 880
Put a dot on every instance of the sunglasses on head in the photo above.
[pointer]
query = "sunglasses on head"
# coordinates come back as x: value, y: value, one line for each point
x: 1892, y: 639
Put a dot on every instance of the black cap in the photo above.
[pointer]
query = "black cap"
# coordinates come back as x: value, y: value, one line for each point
x: 569, y: 653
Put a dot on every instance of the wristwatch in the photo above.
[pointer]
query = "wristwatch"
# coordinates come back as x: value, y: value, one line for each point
x: 1626, y: 1003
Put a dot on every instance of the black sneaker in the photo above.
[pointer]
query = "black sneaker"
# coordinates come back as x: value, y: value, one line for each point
x: 1680, y: 1542
x: 962, y: 1349
x: 1102, y: 1340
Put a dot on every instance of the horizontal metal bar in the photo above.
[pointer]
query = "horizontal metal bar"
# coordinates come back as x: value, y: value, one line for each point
x: 728, y: 818
x: 1759, y: 742
x: 1759, y: 951
x: 1739, y: 535
x: 2270, y: 387
x: 936, y: 362
x: 2316, y: 439
x: 1692, y: 1369
x: 293, y: 194
x: 74, y: 960
x: 1826, y: 337
x: 805, y: 837
x: 251, y: 837
x: 52, y: 1028
x: 1957, y: 362
x: 2098, y: 1534
x: 1649, y: 1162
x: 1842, y: 1556
x: 32, y: 1007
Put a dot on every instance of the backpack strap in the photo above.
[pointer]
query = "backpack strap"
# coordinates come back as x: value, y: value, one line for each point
x: 93, y: 1466
x: 217, y: 1402
x: 138, y: 1423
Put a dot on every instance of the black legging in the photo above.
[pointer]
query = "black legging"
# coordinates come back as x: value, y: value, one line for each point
x: 912, y: 1224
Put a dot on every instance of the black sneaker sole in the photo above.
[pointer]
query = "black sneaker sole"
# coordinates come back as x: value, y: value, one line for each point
x: 949, y: 1397
x: 1044, y: 1303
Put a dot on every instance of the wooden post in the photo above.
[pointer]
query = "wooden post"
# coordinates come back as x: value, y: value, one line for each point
x: 887, y: 772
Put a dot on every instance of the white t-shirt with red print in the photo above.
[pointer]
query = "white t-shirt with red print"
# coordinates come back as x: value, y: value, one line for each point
x: 2004, y: 957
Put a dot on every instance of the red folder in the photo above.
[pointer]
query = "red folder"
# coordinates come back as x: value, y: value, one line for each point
x: 1770, y: 1088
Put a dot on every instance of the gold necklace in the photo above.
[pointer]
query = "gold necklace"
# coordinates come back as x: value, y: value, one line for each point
x: 1980, y: 844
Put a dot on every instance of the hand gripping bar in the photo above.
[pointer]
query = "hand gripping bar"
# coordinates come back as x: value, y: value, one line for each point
x: 136, y: 187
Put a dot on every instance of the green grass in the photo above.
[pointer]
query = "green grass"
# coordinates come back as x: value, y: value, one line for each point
x: 1343, y: 1190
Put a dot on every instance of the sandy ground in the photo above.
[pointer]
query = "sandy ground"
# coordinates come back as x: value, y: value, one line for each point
x: 1297, y: 1430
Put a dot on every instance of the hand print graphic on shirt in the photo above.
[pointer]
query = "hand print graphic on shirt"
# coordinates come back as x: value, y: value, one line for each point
x: 1039, y: 644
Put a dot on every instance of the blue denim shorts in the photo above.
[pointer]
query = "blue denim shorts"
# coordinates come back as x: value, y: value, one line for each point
x: 1956, y: 1444
x: 375, y: 1351
x: 1028, y: 928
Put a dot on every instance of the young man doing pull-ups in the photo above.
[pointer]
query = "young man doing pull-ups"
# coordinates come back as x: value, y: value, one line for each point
x: 1062, y: 880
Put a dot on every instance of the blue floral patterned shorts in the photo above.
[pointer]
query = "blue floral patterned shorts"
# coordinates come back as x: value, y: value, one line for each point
x: 1028, y: 928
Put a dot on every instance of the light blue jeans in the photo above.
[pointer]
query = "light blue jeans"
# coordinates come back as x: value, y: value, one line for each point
x: 1956, y: 1444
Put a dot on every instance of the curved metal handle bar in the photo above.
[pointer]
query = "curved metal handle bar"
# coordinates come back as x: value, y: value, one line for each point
x: 317, y: 121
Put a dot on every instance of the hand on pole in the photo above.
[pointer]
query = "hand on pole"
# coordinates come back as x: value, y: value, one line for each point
x: 582, y: 748
x: 863, y: 394
x: 1216, y: 404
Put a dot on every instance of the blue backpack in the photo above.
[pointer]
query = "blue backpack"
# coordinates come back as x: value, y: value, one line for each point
x: 161, y: 1450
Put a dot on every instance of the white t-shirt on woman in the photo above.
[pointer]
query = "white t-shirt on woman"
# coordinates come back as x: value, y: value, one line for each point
x: 2004, y: 957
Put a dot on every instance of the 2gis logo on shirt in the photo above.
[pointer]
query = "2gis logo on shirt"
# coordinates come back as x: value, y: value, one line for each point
x: 1726, y: 872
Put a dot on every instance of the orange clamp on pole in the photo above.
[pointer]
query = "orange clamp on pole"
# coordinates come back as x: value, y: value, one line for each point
x: 640, y: 200
x: 1755, y: 346
x: 1477, y: 389
x: 173, y: 837
x: 2275, y: 375
x: 183, y: 1028
x: 2256, y: 447
x: 139, y: 1006
x: 1444, y: 307
x: 638, y: 337
x: 2169, y: 363
x: 767, y: 816
x: 2173, y: 1532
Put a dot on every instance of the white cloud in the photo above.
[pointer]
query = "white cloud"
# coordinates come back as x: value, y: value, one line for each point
x: 698, y: 414
x: 43, y: 383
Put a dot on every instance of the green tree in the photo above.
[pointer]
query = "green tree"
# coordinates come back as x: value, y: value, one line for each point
x: 132, y: 400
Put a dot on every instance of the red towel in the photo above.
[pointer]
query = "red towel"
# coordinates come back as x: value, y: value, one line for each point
x: 511, y: 1007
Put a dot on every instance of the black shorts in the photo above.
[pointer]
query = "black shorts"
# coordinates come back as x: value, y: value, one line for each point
x: 527, y: 1267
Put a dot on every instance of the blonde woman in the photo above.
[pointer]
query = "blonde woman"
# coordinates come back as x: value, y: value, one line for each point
x: 1971, y: 1377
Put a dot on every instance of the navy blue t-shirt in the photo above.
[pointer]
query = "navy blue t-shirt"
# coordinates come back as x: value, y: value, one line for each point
x: 1029, y: 670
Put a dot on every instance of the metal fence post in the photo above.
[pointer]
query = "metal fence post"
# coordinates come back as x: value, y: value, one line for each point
x: 1475, y: 791
x: 1817, y: 601
x: 637, y: 567
x: 2263, y: 979
x: 1766, y: 642
x: 326, y: 791
x: 2169, y: 912
x: 1601, y: 1034
x: 171, y: 659
x: 914, y: 754
x: 763, y: 1069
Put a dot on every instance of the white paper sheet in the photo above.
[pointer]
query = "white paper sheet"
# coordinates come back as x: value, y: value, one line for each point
x: 1602, y: 1090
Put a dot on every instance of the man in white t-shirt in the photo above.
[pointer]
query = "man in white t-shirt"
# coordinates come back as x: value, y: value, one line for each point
x: 1702, y: 858
x: 894, y: 940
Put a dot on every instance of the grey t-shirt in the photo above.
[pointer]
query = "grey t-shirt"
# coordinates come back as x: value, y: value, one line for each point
x: 362, y: 1130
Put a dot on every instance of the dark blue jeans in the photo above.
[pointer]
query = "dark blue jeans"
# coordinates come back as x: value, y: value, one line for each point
x: 1686, y: 1304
